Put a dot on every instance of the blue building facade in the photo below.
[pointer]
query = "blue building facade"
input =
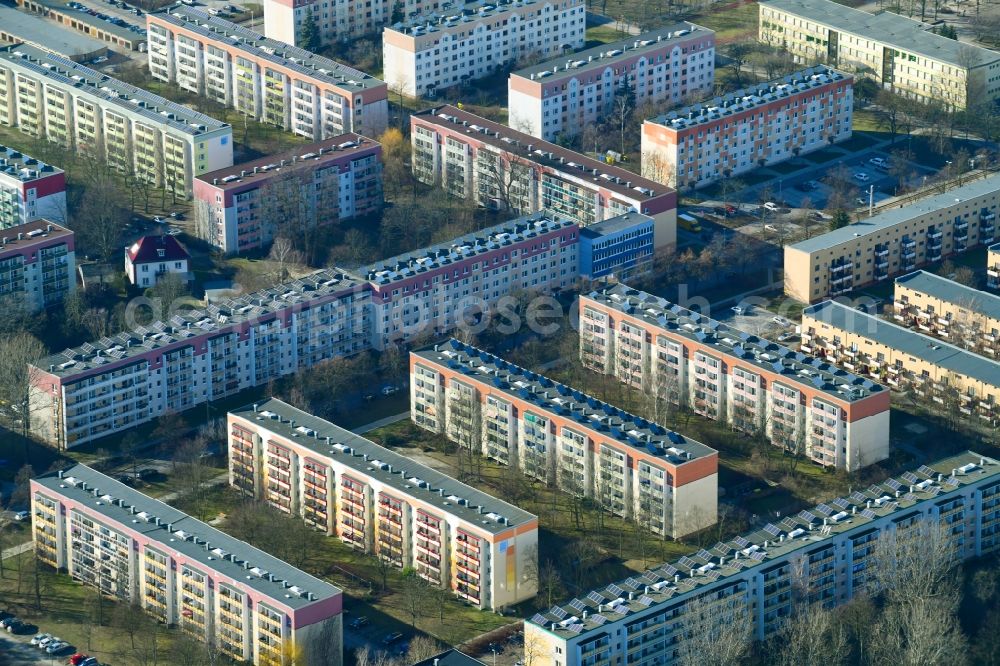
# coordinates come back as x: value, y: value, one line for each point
x: 620, y: 246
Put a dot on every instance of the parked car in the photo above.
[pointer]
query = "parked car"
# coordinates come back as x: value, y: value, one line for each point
x: 862, y: 177
x: 39, y: 638
x: 16, y: 627
x: 100, y: 59
x: 770, y: 227
x: 158, y: 219
x: 781, y: 321
x: 771, y: 206
x: 177, y: 216
x: 787, y: 337
x: 879, y: 162
x: 359, y: 622
x: 56, y: 648
x: 45, y: 642
x: 174, y: 232
x: 4, y: 623
x: 741, y: 310
x: 21, y: 515
x: 391, y: 638
x: 390, y: 390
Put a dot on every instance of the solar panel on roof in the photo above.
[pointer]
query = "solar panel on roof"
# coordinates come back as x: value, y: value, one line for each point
x: 841, y: 503
x: 596, y: 597
x: 807, y: 516
x: 924, y: 469
x: 825, y: 510
x: 631, y: 584
x: 893, y: 483
x: 772, y: 530
x: 704, y: 554
x: 910, y: 477
x: 598, y: 619
x: 736, y: 564
x: 741, y: 542
x: 668, y: 570
x: 788, y: 524
x: 758, y: 556
x: 687, y: 562
x: 575, y: 628
x: 910, y: 497
x: 858, y: 497
x: 712, y: 574
x: 951, y: 481
x: 615, y: 590
x: 577, y: 605
x: 558, y: 612
x: 868, y: 513
x: 645, y: 600
x: 539, y: 619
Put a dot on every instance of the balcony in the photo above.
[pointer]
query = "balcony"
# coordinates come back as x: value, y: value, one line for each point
x: 841, y: 266
x: 934, y: 235
x: 987, y: 216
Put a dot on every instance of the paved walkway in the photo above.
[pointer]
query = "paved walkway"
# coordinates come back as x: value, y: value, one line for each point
x: 14, y: 551
x: 374, y: 425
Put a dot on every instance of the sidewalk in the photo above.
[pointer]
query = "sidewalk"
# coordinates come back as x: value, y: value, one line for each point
x: 374, y: 425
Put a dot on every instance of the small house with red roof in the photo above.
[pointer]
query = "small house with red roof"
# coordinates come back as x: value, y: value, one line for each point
x: 151, y: 257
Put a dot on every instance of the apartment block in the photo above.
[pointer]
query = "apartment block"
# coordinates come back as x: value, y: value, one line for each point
x: 946, y: 309
x: 274, y: 82
x: 824, y: 555
x: 29, y: 189
x: 798, y: 402
x: 380, y: 502
x: 163, y: 142
x: 764, y: 124
x: 899, y: 240
x: 37, y: 264
x: 664, y: 481
x: 441, y: 48
x: 222, y: 591
x: 285, y: 19
x: 239, y: 208
x: 901, y: 54
x: 170, y: 366
x: 621, y: 247
x: 993, y: 265
x: 498, y: 167
x: 955, y: 378
x: 433, y: 290
x: 562, y: 95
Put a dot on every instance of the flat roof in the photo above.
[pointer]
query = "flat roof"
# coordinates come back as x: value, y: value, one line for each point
x: 297, y: 59
x: 904, y: 340
x: 613, y: 225
x: 578, y: 165
x: 794, y: 367
x: 25, y: 168
x: 952, y: 292
x: 588, y: 412
x: 894, y: 216
x: 177, y: 532
x: 606, y: 55
x: 898, y: 31
x: 125, y: 96
x: 294, y: 159
x: 411, y: 264
x: 50, y: 35
x: 31, y: 233
x: 194, y: 323
x: 455, y: 13
x: 749, y: 98
x: 84, y: 17
x: 814, y: 528
x: 394, y: 470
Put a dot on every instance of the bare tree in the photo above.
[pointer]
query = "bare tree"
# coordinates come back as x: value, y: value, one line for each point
x: 715, y: 634
x: 284, y: 254
x: 924, y: 630
x: 915, y: 563
x: 811, y: 636
x: 17, y: 377
x: 505, y: 181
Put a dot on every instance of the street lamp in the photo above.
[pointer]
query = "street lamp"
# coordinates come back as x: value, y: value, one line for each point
x: 493, y: 649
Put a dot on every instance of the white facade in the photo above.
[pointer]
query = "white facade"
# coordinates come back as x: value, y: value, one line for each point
x: 426, y: 54
x: 561, y: 96
x: 272, y: 81
x: 165, y: 143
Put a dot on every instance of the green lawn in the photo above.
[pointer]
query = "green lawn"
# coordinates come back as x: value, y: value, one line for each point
x: 825, y: 155
x: 603, y: 34
x: 865, y: 120
x: 69, y: 611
